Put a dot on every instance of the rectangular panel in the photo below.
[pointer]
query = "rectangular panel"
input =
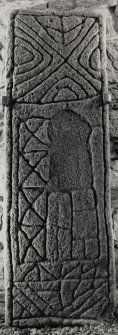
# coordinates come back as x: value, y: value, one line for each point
x: 59, y: 238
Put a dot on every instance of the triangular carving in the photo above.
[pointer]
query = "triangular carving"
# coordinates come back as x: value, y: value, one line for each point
x: 31, y: 194
x: 44, y: 167
x: 23, y: 205
x: 34, y: 158
x: 32, y: 219
x: 39, y: 243
x: 25, y: 135
x: 33, y: 181
x: 75, y: 273
x: 33, y: 275
x: 42, y: 133
x: 24, y: 169
x: 45, y: 275
x: 23, y: 244
x: 70, y: 36
x: 65, y: 35
x: 54, y: 269
x: 54, y: 22
x: 32, y: 256
x: 69, y: 23
x: 31, y: 231
x: 69, y: 267
x: 34, y: 145
x: 33, y: 124
x: 56, y: 37
x: 40, y: 205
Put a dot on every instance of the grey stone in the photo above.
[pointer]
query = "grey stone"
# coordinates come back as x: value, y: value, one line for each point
x: 91, y: 244
x: 60, y: 193
x: 89, y: 274
x: 84, y: 224
x: 83, y: 287
x: 86, y: 3
x: 99, y: 307
x: 78, y: 248
x: 83, y: 200
x: 59, y: 227
x: 68, y: 288
x: 69, y: 267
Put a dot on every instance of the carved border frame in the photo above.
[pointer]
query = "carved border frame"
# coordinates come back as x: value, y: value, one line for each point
x: 9, y: 143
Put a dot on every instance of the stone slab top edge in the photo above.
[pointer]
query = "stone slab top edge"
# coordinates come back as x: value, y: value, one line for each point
x: 70, y: 4
x: 87, y: 12
x: 84, y: 3
x: 77, y: 3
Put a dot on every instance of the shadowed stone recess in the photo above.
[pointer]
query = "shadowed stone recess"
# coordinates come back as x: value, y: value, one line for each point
x: 58, y: 267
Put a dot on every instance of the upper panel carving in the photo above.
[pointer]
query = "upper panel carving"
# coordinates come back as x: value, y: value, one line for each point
x: 56, y: 58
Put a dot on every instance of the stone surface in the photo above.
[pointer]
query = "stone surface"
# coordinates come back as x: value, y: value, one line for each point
x: 57, y: 266
x: 101, y: 328
x: 85, y: 3
x: 5, y: 9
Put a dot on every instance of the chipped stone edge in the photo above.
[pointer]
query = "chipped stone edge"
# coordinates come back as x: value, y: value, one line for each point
x: 96, y: 11
x: 8, y: 159
x: 7, y: 211
x: 52, y: 322
x: 111, y: 252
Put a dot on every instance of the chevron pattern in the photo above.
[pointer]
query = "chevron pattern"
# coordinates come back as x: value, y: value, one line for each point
x: 56, y: 59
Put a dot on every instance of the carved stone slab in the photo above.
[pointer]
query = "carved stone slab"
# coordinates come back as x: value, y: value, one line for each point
x: 84, y: 3
x: 59, y: 265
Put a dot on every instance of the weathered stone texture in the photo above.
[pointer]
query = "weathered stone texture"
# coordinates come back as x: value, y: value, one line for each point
x: 112, y: 70
x: 5, y: 9
x: 59, y: 242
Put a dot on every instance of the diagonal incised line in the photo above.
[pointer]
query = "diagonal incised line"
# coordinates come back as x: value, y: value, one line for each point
x: 43, y: 81
x: 86, y: 79
x: 30, y: 40
x: 35, y: 57
x: 58, y: 67
x: 48, y: 305
x: 82, y: 40
x: 45, y: 29
x: 39, y: 37
x: 29, y: 300
x: 47, y: 44
x: 55, y: 29
x: 31, y: 29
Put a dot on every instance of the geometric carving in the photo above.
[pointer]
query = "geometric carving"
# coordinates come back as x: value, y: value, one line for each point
x: 58, y: 233
x: 60, y: 68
